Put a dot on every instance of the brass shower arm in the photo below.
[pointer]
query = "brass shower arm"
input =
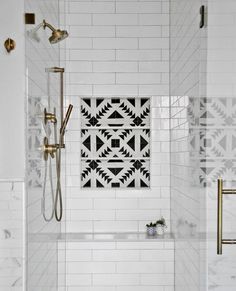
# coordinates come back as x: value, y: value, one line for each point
x: 46, y: 24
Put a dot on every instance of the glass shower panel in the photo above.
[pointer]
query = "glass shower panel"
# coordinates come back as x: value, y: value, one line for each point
x: 219, y: 141
x: 43, y: 91
x: 188, y: 43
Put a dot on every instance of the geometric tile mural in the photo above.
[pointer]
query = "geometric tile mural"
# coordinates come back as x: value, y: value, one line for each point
x: 115, y: 112
x: 212, y: 138
x: 217, y: 112
x: 115, y: 142
x: 119, y: 143
x: 115, y: 173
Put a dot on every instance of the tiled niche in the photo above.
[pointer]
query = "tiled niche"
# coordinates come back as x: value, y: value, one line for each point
x: 115, y: 140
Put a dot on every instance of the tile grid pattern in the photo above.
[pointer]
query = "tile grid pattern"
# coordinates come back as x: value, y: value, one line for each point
x: 94, y: 59
x: 120, y: 265
x: 118, y: 48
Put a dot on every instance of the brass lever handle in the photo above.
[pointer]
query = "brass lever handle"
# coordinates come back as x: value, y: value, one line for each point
x: 49, y: 149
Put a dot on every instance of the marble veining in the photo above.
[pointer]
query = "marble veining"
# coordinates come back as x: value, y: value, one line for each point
x: 11, y: 235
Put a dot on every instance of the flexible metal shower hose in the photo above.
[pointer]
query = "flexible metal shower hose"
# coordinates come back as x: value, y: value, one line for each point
x: 44, y: 191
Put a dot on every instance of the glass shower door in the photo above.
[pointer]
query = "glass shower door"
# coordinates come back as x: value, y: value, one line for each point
x: 43, y: 260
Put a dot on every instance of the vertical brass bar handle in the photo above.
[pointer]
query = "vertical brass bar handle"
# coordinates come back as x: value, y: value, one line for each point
x: 219, y: 216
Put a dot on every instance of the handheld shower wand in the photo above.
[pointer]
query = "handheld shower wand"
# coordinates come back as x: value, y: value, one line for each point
x: 66, y: 119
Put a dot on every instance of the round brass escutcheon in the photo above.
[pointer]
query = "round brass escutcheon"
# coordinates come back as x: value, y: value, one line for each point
x: 10, y: 45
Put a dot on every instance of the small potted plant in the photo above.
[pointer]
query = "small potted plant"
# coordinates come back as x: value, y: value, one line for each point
x: 161, y: 226
x: 151, y: 229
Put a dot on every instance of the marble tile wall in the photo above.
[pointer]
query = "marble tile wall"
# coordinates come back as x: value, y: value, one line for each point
x: 12, y: 240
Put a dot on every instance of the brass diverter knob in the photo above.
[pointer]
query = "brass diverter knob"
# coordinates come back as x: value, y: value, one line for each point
x: 49, y: 149
x: 49, y: 117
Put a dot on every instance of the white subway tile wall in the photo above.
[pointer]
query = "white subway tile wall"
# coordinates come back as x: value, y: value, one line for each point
x: 221, y: 49
x: 118, y: 48
x: 12, y: 242
x: 119, y: 265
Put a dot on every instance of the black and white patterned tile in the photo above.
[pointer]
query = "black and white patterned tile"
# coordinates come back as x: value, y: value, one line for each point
x: 117, y: 154
x: 115, y: 112
x: 211, y: 169
x: 115, y: 143
x: 115, y: 174
x: 217, y: 112
x: 218, y: 142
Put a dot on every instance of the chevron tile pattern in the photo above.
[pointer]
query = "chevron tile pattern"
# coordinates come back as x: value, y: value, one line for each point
x: 115, y: 147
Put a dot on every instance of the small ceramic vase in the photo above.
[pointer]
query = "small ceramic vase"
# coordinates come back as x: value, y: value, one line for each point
x: 160, y: 229
x: 151, y: 230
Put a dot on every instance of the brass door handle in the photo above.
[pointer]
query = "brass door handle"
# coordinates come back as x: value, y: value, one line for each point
x: 219, y: 216
x: 220, y: 241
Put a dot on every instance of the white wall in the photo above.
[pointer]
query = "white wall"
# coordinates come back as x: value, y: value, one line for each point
x: 12, y: 69
x: 118, y: 48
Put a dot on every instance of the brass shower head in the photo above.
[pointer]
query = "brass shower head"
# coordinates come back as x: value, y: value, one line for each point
x: 57, y: 34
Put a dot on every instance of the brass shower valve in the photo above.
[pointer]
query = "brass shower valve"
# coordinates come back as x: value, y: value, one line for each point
x: 50, y: 149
